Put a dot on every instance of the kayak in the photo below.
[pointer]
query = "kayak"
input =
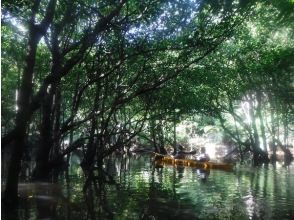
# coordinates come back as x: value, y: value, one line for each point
x: 160, y: 160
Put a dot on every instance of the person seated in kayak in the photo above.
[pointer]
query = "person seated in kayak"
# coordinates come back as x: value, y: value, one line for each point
x: 179, y: 152
x: 203, y: 157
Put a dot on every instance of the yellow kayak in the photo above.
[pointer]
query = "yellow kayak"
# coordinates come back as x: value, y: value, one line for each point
x: 160, y: 160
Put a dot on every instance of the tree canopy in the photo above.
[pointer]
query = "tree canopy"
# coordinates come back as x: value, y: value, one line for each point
x: 95, y: 75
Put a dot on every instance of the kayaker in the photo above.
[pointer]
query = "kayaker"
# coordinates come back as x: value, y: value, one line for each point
x: 203, y: 157
x: 179, y: 154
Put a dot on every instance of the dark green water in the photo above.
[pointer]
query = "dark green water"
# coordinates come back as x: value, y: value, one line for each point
x: 145, y: 192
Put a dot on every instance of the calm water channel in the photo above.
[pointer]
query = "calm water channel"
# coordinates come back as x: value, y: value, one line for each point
x: 145, y: 192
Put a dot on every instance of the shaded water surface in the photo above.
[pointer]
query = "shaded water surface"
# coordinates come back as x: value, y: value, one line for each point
x: 142, y: 191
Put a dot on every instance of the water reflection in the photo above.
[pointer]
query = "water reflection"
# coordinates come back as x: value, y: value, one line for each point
x: 139, y: 190
x: 203, y: 174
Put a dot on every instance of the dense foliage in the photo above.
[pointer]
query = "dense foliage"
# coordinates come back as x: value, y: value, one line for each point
x: 99, y: 75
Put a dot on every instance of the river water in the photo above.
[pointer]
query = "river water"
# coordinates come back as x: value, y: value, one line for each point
x: 142, y: 191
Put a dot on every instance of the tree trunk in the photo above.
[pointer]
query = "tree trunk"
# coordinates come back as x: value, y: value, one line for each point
x: 42, y: 159
x: 273, y: 129
x: 160, y: 134
x: 56, y: 126
x: 175, y: 133
x: 259, y: 156
x: 22, y: 118
x: 285, y: 124
x: 262, y: 127
x: 256, y: 142
x: 91, y: 146
x: 51, y: 113
x: 25, y: 93
x: 238, y: 142
x: 288, y: 157
x: 153, y: 135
